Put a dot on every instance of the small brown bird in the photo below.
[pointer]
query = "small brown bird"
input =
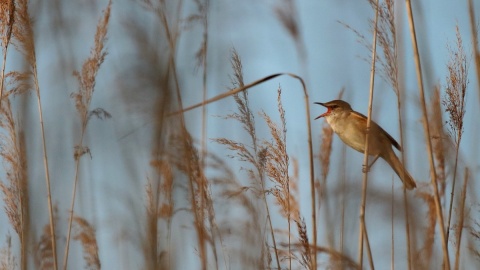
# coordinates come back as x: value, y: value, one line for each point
x: 351, y: 127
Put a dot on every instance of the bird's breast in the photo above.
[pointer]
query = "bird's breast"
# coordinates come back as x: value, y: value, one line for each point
x: 350, y: 132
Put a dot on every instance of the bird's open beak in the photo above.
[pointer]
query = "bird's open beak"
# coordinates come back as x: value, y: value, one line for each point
x: 325, y: 114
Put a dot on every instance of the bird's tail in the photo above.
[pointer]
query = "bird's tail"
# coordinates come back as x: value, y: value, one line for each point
x: 397, y: 166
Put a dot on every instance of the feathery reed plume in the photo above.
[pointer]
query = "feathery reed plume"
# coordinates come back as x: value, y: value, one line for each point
x: 83, y: 97
x: 475, y: 236
x: 150, y: 246
x: 44, y: 254
x: 255, y: 156
x: 24, y: 43
x: 171, y: 26
x: 201, y: 56
x: 326, y: 150
x: 85, y: 233
x: 285, y: 187
x: 461, y: 220
x: 276, y: 168
x: 305, y: 253
x: 160, y: 205
x: 7, y: 19
x: 253, y: 253
x: 287, y: 15
x: 198, y: 186
x: 387, y: 41
x: 438, y: 138
x: 305, y: 256
x: 7, y: 259
x: 15, y: 192
x: 338, y: 260
x: 309, y: 128
x: 424, y: 255
x: 454, y: 102
x: 426, y: 127
x: 186, y: 158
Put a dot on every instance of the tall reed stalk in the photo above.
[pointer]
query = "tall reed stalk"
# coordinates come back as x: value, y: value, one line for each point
x: 24, y: 34
x: 363, y: 230
x: 426, y: 127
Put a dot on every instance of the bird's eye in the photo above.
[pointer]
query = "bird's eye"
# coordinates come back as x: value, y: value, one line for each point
x: 334, y: 106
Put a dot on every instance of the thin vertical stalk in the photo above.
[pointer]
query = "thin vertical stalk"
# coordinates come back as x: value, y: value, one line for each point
x: 3, y: 71
x: 342, y: 224
x: 204, y: 126
x: 363, y: 229
x: 452, y: 193
x: 74, y: 192
x: 476, y: 53
x: 402, y: 153
x: 369, y: 251
x: 405, y: 197
x: 426, y: 128
x: 392, y: 265
x: 312, y: 172
x: 461, y: 220
x: 45, y: 163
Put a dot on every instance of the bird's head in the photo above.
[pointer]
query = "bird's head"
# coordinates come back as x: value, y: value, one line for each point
x: 334, y: 107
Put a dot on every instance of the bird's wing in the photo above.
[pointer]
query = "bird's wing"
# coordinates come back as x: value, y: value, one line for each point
x: 390, y: 138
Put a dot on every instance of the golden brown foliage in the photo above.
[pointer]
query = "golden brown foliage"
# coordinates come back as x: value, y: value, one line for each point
x: 85, y: 234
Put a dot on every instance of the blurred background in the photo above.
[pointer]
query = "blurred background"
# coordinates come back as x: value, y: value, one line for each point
x: 158, y: 51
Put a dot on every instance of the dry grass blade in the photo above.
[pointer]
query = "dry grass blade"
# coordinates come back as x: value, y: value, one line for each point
x: 338, y: 260
x: 85, y: 233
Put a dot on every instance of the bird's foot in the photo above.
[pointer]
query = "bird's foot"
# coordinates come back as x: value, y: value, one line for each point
x: 366, y: 168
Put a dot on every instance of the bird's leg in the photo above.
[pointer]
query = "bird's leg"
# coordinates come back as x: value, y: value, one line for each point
x: 367, y: 167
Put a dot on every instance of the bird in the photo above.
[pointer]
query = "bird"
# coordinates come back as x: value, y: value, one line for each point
x: 351, y: 127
